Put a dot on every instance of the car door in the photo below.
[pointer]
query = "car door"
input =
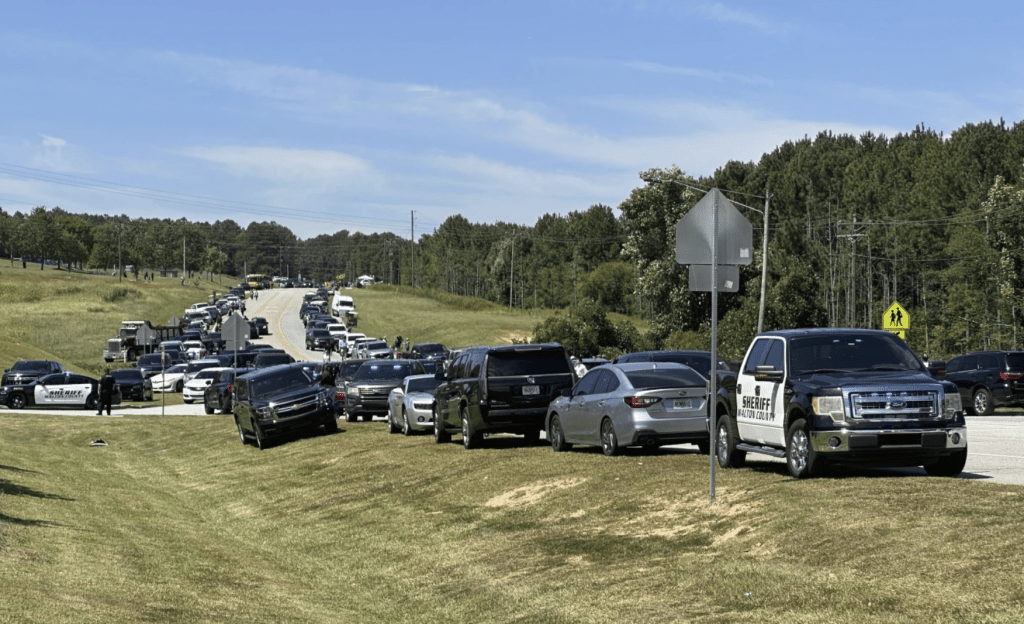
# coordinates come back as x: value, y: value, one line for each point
x: 760, y: 415
x: 572, y: 415
x: 596, y: 406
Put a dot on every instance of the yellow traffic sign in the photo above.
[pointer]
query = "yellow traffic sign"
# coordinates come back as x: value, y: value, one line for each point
x: 896, y: 318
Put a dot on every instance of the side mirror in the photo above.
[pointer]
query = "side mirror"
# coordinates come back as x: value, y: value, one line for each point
x: 768, y: 373
x: 566, y: 392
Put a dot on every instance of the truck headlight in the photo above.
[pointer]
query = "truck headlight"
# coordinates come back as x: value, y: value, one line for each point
x: 265, y: 413
x: 951, y: 404
x: 831, y: 406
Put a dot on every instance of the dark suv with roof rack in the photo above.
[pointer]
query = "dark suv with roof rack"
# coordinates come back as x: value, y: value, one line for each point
x: 988, y: 379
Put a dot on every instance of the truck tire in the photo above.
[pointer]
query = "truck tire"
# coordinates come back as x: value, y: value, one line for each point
x: 441, y: 436
x: 725, y: 447
x: 801, y: 459
x: 470, y: 438
x: 948, y: 466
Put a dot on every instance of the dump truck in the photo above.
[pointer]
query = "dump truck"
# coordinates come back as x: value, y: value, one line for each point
x: 137, y: 338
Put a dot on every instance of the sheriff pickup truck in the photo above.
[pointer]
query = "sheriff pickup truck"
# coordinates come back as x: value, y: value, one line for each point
x: 844, y: 396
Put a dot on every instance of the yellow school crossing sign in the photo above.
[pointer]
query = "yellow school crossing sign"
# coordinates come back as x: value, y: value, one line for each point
x: 896, y: 320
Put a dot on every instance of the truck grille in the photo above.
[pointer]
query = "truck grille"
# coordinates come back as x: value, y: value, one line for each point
x: 895, y: 405
x: 299, y: 407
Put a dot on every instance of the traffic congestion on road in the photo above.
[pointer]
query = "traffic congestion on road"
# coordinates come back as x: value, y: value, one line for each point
x: 306, y: 344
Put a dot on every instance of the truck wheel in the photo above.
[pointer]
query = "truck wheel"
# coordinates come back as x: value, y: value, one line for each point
x: 17, y: 401
x: 470, y: 438
x: 801, y: 459
x: 983, y: 402
x: 440, y: 435
x: 609, y: 443
x: 725, y: 448
x: 948, y: 466
x: 557, y: 436
x: 241, y: 432
x: 131, y: 356
x: 261, y: 440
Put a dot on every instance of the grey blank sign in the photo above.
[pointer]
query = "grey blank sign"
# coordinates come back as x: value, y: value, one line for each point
x: 728, y: 278
x: 694, y: 233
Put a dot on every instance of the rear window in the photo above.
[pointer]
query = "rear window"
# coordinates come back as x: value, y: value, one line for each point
x: 1015, y: 361
x: 527, y: 362
x: 126, y: 373
x: 664, y: 378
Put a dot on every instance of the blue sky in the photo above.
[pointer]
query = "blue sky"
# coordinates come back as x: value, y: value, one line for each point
x: 325, y: 116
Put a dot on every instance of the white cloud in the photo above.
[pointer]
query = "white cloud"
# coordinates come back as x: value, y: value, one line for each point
x: 278, y: 163
x: 718, y: 12
x: 49, y: 141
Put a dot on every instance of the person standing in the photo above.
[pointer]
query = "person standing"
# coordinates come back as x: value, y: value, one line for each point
x: 107, y: 384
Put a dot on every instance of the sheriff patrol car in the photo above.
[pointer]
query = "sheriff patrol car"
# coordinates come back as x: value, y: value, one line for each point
x: 56, y: 390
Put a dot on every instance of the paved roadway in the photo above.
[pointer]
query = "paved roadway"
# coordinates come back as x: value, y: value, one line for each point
x: 996, y: 442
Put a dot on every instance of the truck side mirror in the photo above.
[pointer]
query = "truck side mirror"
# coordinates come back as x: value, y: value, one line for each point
x: 768, y: 373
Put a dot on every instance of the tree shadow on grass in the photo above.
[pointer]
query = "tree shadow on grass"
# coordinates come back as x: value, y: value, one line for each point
x: 13, y: 489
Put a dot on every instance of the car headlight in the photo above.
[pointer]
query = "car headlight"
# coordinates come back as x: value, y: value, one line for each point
x: 951, y: 404
x: 831, y: 406
x: 265, y: 412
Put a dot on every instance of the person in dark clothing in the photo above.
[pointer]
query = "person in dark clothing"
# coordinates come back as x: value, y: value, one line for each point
x: 107, y: 383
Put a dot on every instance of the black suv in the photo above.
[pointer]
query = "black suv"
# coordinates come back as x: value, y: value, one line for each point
x: 499, y: 389
x: 274, y: 401
x: 135, y: 386
x: 217, y: 395
x: 988, y: 379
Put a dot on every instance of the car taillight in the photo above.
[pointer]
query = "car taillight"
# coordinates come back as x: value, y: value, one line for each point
x: 1008, y: 376
x: 339, y: 396
x: 231, y: 388
x: 635, y: 401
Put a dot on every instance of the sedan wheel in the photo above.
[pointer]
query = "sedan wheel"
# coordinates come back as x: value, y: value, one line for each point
x: 609, y: 443
x: 16, y: 401
x: 392, y: 427
x: 406, y: 429
x: 557, y: 436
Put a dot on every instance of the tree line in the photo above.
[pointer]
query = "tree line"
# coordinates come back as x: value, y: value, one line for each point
x: 934, y: 222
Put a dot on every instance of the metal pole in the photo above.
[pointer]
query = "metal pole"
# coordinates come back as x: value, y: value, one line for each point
x: 764, y: 262
x: 713, y: 391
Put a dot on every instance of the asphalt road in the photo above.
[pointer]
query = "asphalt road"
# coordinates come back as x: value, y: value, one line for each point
x: 996, y: 442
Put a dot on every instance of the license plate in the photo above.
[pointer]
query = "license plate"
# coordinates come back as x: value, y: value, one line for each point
x: 531, y: 390
x: 682, y: 404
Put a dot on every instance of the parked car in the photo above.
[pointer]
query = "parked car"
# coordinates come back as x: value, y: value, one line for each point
x: 988, y: 379
x: 171, y: 380
x: 194, y: 349
x: 217, y: 395
x: 699, y: 361
x: 25, y: 371
x: 319, y: 339
x: 62, y: 389
x: 644, y: 404
x: 367, y: 394
x: 192, y: 368
x: 271, y: 357
x: 376, y: 349
x: 135, y: 386
x: 428, y: 351
x: 195, y: 388
x: 500, y: 390
x: 277, y: 400
x: 346, y: 371
x: 410, y: 405
x: 153, y: 364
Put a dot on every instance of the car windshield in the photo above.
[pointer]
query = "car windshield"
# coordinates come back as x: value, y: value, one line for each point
x: 195, y: 367
x: 177, y: 369
x: 206, y: 374
x: 376, y: 344
x: 126, y: 374
x: 289, y: 379
x: 426, y: 384
x: 374, y: 370
x: 31, y: 365
x: 429, y: 349
x: 853, y: 352
x: 665, y: 378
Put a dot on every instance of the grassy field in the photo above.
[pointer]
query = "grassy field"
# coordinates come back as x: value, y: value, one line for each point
x: 176, y: 521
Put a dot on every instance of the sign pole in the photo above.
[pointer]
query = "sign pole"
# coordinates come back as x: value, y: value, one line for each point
x: 713, y: 390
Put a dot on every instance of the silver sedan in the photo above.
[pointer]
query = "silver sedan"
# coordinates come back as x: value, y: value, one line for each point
x: 410, y: 405
x: 644, y: 404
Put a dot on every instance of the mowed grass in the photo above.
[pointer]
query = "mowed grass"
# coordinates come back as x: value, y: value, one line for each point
x: 176, y: 521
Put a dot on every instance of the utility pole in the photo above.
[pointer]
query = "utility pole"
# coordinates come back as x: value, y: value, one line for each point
x: 512, y: 272
x: 764, y: 262
x: 851, y: 292
x: 412, y: 248
x: 183, y: 256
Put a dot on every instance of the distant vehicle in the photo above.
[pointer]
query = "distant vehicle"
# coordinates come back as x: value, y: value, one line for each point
x: 134, y: 385
x: 192, y: 368
x: 171, y: 380
x: 273, y: 401
x: 262, y: 325
x: 367, y: 393
x: 320, y: 339
x: 410, y: 405
x: 195, y: 388
x: 271, y: 357
x: 429, y: 351
x: 644, y: 404
x: 987, y: 380
x: 25, y: 371
x: 194, y: 349
x: 136, y: 338
x: 152, y: 364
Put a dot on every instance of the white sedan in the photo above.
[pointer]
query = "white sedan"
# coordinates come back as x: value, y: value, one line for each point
x: 410, y: 405
x: 171, y: 380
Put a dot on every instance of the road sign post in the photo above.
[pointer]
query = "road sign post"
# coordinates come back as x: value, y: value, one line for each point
x: 713, y: 237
